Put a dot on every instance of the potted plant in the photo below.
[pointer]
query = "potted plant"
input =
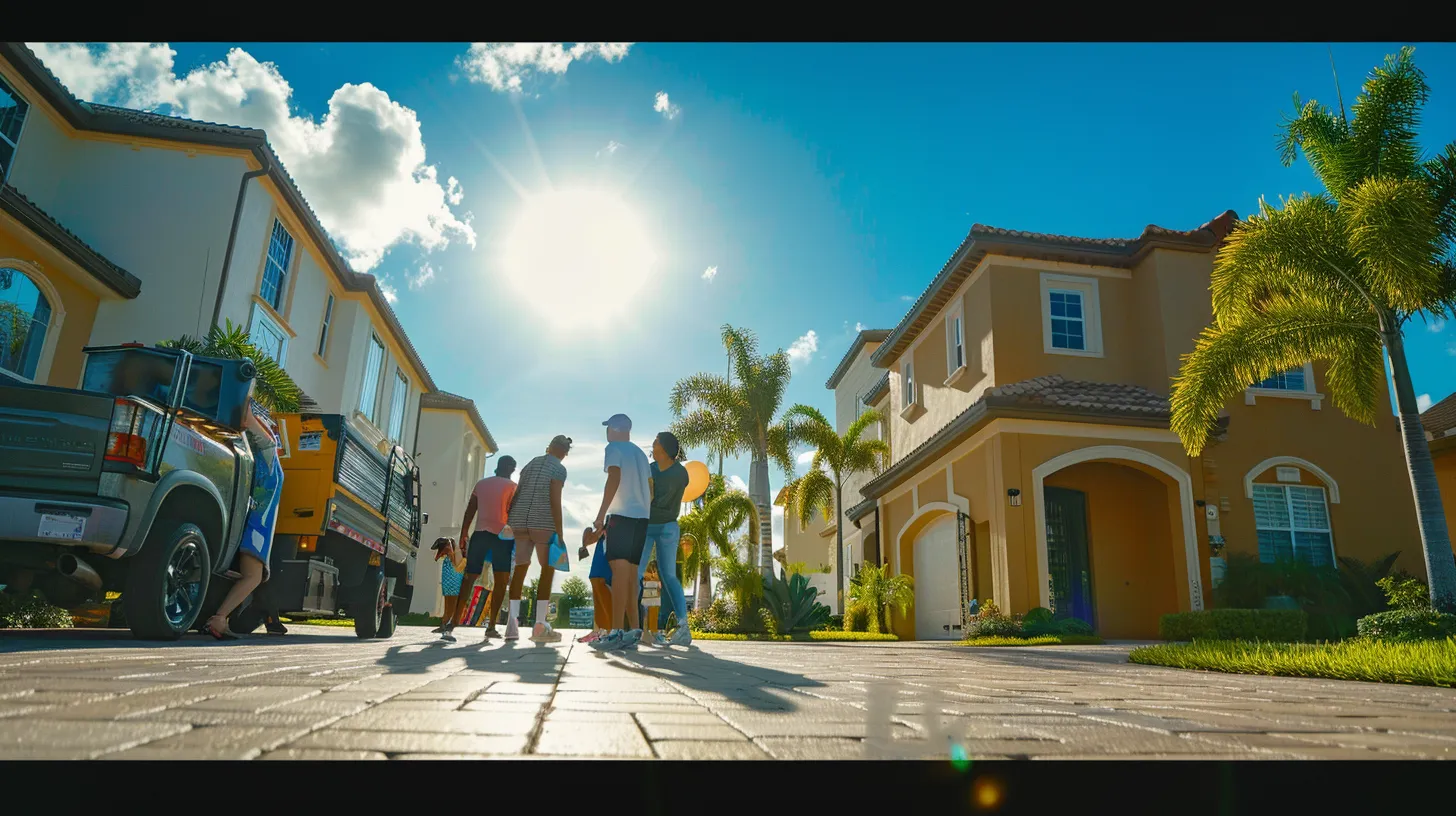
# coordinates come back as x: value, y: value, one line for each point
x: 1217, y: 566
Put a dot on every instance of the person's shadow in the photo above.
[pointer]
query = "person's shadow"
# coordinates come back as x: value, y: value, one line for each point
x: 695, y: 669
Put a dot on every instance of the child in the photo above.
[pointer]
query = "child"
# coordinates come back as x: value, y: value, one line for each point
x: 452, y: 571
x: 601, y: 582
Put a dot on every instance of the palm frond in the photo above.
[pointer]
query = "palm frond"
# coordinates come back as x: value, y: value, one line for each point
x: 1387, y: 116
x: 1325, y: 139
x: 815, y: 493
x: 1392, y: 229
x: 776, y: 440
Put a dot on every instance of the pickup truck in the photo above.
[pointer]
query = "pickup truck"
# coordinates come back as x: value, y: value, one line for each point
x: 138, y: 482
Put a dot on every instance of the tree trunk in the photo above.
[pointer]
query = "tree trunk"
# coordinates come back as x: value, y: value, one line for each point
x: 1435, y: 537
x: 839, y: 542
x: 758, y: 492
x: 705, y: 588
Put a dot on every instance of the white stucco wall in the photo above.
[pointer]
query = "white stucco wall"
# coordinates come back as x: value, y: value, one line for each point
x: 451, y: 458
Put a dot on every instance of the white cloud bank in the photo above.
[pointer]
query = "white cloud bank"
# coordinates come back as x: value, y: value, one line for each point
x: 510, y: 67
x: 802, y: 350
x: 663, y: 105
x: 362, y: 166
x: 710, y: 273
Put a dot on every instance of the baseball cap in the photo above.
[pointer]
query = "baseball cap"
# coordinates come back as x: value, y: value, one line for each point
x: 619, y: 422
x: 561, y: 441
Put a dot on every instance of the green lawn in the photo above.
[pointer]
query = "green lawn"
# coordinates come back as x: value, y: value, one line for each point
x: 1424, y: 663
x: 820, y: 637
x: 1039, y: 640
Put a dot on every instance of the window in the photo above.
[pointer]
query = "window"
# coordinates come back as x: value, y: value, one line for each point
x: 12, y: 118
x: 267, y: 335
x: 908, y: 396
x: 275, y: 266
x: 1070, y: 320
x: 1291, y: 380
x: 955, y: 342
x: 324, y: 332
x: 397, y: 405
x: 1293, y: 524
x: 373, y: 369
x: 25, y: 316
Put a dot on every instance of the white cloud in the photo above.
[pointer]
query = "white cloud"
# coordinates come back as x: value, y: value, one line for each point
x: 735, y: 482
x: 710, y: 273
x: 1436, y: 325
x: 802, y: 350
x: 362, y: 166
x: 511, y: 66
x: 421, y: 276
x: 388, y: 291
x: 907, y: 298
x: 663, y: 105
x: 806, y: 457
x: 858, y: 327
x: 612, y: 147
x: 1423, y: 402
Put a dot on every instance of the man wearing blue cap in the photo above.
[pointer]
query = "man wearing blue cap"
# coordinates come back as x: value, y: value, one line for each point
x: 626, y: 507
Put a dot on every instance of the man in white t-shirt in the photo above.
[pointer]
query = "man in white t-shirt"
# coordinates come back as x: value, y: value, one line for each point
x: 626, y: 508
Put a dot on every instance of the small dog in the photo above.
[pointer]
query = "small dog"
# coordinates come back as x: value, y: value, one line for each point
x: 442, y: 546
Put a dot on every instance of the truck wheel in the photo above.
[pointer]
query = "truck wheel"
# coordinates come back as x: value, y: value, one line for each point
x: 387, y: 622
x: 167, y: 581
x: 368, y: 620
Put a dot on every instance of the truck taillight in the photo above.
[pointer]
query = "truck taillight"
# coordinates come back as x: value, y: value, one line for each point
x: 127, y: 442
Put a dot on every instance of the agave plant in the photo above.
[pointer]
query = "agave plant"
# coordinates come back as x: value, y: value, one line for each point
x: 273, y: 388
x: 794, y: 604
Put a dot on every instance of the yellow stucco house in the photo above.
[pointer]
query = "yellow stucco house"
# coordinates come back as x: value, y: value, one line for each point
x: 1026, y: 392
x: 1439, y: 422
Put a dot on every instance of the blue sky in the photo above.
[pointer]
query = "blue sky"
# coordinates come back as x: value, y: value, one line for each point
x: 826, y: 183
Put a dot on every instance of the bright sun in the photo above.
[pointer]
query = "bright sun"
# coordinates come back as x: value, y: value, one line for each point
x: 578, y: 254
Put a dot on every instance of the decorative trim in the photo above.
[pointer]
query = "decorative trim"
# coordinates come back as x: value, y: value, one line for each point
x: 36, y: 275
x: 1304, y: 464
x: 955, y: 376
x: 1091, y: 313
x: 1315, y: 398
x: 1122, y: 452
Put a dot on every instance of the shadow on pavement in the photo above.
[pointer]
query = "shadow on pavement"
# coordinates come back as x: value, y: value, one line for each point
x: 700, y: 671
x: 529, y: 662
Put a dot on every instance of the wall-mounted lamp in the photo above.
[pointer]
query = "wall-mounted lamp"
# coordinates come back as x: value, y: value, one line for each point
x: 1014, y: 496
x: 1199, y: 503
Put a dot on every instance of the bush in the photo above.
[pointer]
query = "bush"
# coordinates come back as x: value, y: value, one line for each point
x: 1405, y: 593
x: 31, y: 612
x: 793, y: 604
x: 720, y: 616
x: 1074, y: 627
x: 1038, y: 640
x: 834, y: 624
x: 801, y: 637
x: 984, y: 625
x: 1283, y: 625
x: 1408, y: 625
x: 857, y: 618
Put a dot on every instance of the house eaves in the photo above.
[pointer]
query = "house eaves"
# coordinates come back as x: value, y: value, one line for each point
x: 143, y: 124
x: 1440, y: 419
x: 878, y: 391
x: 864, y: 337
x: 17, y: 206
x: 983, y: 240
x: 446, y: 401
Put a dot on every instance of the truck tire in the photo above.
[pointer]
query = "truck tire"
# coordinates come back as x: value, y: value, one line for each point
x: 369, y: 619
x: 388, y: 621
x: 166, y: 582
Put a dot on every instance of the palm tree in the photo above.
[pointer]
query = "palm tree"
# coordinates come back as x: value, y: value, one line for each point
x: 741, y: 579
x: 1336, y: 276
x: 273, y: 389
x: 878, y: 591
x: 710, y: 527
x: 738, y: 417
x: 836, y: 459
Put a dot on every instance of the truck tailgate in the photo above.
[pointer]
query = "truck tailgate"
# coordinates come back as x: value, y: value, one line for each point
x: 52, y: 439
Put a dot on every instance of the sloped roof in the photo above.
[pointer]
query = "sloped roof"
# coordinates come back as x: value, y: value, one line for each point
x: 15, y: 204
x: 879, y: 389
x: 145, y: 124
x: 864, y: 337
x: 1440, y: 419
x: 454, y: 402
x: 983, y: 240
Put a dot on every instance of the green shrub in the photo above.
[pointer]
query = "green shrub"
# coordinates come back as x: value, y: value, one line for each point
x: 1408, y: 625
x: 801, y: 637
x: 1283, y: 625
x: 793, y: 604
x: 1362, y: 583
x: 1405, y: 592
x: 31, y: 612
x: 994, y: 625
x: 720, y: 616
x: 1038, y: 640
x: 1074, y: 627
x: 857, y: 618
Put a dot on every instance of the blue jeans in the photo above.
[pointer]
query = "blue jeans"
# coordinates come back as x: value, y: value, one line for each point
x: 664, y: 537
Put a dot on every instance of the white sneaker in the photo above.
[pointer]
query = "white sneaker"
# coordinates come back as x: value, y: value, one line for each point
x: 543, y: 633
x: 513, y: 631
x: 682, y: 637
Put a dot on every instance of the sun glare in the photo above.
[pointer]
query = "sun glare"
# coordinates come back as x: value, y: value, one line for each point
x: 577, y: 256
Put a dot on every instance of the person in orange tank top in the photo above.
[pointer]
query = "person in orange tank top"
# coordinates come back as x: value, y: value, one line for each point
x: 491, y: 499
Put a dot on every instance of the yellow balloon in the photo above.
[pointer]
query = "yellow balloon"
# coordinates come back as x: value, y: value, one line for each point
x: 697, y: 481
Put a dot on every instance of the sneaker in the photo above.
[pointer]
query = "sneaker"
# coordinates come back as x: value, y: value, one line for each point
x: 609, y: 643
x: 631, y: 639
x: 439, y: 630
x: 492, y: 632
x: 513, y: 630
x: 447, y: 637
x: 682, y: 637
x: 543, y: 633
x: 658, y: 640
x: 589, y: 637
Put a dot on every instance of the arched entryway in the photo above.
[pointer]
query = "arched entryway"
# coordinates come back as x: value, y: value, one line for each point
x: 1116, y: 544
x: 931, y: 537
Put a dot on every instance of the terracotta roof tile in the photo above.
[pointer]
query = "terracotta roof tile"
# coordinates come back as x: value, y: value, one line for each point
x: 1059, y: 393
x: 1440, y: 418
x: 878, y: 390
x: 864, y: 337
x: 454, y: 402
x: 142, y: 117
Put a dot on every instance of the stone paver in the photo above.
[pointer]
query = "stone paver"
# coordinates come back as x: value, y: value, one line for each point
x: 320, y: 693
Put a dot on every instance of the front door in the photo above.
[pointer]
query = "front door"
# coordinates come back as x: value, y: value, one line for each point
x: 937, y: 612
x: 1067, y: 556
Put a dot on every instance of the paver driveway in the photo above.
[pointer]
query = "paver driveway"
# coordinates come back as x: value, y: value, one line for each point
x: 319, y: 693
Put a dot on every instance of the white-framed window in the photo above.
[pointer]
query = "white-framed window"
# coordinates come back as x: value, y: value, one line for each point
x: 1071, y: 315
x: 25, y: 318
x: 955, y: 342
x: 1296, y: 383
x: 1293, y: 524
x: 276, y: 266
x: 908, y: 394
x: 1292, y: 380
x: 269, y: 337
x: 323, y: 345
x: 397, y: 405
x: 373, y: 371
x: 12, y: 119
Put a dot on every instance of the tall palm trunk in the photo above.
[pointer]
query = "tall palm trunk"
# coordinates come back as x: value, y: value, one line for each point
x: 839, y: 541
x: 1435, y: 537
x: 758, y: 492
x: 705, y: 588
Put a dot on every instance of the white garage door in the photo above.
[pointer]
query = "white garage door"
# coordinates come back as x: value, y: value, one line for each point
x: 937, y: 591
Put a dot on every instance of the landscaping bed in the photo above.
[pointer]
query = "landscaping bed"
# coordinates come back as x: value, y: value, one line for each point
x: 1422, y: 663
x: 1038, y: 640
x: 825, y: 636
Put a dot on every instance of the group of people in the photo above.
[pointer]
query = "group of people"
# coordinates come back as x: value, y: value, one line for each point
x: 637, y: 521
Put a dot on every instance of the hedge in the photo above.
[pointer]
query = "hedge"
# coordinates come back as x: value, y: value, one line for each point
x: 1408, y: 625
x: 802, y: 637
x: 1034, y: 640
x: 1282, y: 625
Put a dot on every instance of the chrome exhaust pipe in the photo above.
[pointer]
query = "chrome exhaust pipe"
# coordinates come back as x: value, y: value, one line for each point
x: 79, y: 571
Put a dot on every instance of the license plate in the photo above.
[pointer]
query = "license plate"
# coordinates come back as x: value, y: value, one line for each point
x: 69, y: 528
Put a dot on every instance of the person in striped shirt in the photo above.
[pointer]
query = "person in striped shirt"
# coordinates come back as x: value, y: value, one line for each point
x: 534, y: 518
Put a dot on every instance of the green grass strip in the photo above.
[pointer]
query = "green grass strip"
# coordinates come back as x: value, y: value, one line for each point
x: 803, y: 637
x: 1039, y: 640
x: 1423, y: 663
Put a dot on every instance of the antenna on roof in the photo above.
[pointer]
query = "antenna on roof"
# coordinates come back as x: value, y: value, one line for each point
x: 1338, y: 95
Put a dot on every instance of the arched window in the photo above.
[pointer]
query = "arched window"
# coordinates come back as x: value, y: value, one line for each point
x: 25, y: 317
